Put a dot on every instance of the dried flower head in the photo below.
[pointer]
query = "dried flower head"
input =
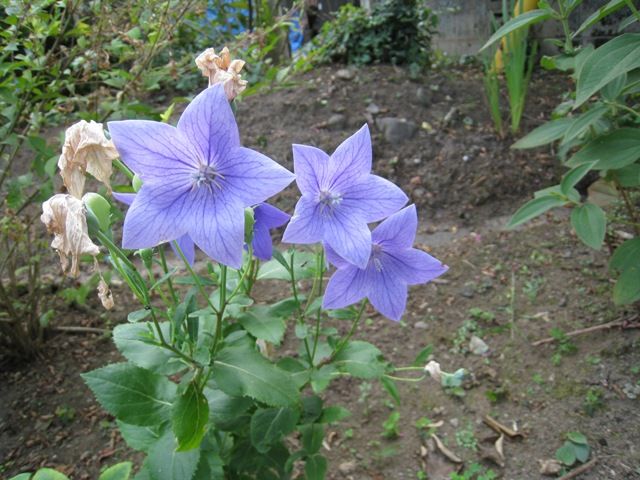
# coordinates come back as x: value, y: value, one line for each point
x: 104, y: 293
x: 64, y: 216
x: 85, y: 149
x: 221, y: 69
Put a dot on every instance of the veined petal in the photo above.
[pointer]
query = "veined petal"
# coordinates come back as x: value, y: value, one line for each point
x: 351, y: 160
x: 413, y: 266
x: 216, y: 225
x: 398, y: 231
x: 333, y: 258
x: 251, y: 176
x: 306, y: 224
x: 187, y: 246
x: 388, y: 295
x: 153, y: 150
x: 349, y: 235
x: 209, y: 124
x: 346, y: 286
x: 375, y: 198
x: 311, y: 166
x: 266, y: 217
x: 157, y: 215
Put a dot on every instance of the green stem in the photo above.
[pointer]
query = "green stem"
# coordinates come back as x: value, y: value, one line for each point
x: 354, y: 326
x: 301, y: 312
x: 633, y: 8
x: 405, y: 379
x: 195, y: 277
x: 123, y: 168
x: 319, y: 276
x: 165, y: 269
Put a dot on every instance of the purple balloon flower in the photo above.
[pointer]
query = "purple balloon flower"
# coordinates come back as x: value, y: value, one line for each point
x: 197, y: 178
x: 266, y: 217
x: 339, y: 198
x: 392, y: 266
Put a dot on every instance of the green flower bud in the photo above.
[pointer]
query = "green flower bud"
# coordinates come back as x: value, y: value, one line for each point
x: 136, y: 183
x: 249, y: 221
x: 99, y: 208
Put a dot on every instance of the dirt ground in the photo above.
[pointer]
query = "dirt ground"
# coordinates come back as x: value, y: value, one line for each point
x: 509, y: 288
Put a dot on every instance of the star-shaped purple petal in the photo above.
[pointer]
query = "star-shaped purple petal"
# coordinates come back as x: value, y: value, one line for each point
x: 197, y: 177
x: 393, y: 265
x: 266, y: 217
x: 339, y: 198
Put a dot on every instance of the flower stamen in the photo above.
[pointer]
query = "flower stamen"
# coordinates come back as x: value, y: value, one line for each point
x: 328, y: 201
x: 207, y: 176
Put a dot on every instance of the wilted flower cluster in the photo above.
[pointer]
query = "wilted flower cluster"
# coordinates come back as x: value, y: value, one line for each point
x: 221, y: 69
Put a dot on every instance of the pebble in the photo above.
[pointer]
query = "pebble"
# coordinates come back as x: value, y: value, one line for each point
x: 373, y: 109
x: 423, y: 96
x: 337, y: 121
x: 345, y: 74
x: 468, y: 291
x: 396, y: 130
x: 477, y: 346
x: 454, y: 422
x: 347, y: 468
x: 422, y: 325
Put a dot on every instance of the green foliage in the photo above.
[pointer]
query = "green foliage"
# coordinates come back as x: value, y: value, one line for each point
x: 564, y: 345
x: 593, y: 401
x: 396, y: 31
x: 575, y: 448
x: 466, y: 438
x: 601, y: 125
x: 390, y: 425
x: 475, y: 471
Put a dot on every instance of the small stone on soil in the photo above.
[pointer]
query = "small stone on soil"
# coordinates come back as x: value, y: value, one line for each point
x: 396, y: 130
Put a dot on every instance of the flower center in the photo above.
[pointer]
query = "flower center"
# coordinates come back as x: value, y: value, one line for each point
x: 376, y: 253
x: 328, y: 201
x: 207, y: 176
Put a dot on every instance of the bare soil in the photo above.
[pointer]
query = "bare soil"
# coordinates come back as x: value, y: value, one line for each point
x: 520, y: 284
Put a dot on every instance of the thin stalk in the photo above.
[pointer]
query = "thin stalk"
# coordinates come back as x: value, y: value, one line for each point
x: 165, y: 269
x: 354, y: 326
x: 195, y: 277
x: 301, y: 313
x: 319, y: 275
x: 405, y: 379
x: 633, y: 8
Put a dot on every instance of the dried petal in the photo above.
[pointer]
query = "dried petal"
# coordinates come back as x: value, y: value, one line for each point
x: 433, y: 369
x: 86, y: 149
x: 104, y: 293
x: 64, y: 216
x: 221, y: 69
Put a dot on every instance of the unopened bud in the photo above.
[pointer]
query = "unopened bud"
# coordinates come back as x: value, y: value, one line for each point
x: 136, y: 183
x: 99, y: 207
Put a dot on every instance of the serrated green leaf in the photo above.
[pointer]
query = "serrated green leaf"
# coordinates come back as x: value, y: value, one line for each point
x: 240, y: 371
x: 303, y: 266
x: 119, y: 471
x: 190, y: 418
x: 421, y: 358
x: 138, y: 315
x: 590, y: 223
x: 391, y: 388
x: 544, y: 134
x: 580, y: 124
x: 533, y: 208
x: 360, y: 359
x: 227, y: 412
x: 315, y: 468
x: 627, y: 288
x: 521, y: 21
x: 334, y: 414
x: 311, y: 409
x: 321, y: 377
x: 626, y: 255
x: 139, y: 438
x: 566, y: 454
x: 259, y: 323
x: 612, y: 151
x: 136, y: 342
x: 577, y: 437
x: 132, y: 394
x: 166, y: 463
x: 49, y: 474
x: 614, y: 58
x: 312, y: 437
x: 270, y: 425
x: 298, y: 372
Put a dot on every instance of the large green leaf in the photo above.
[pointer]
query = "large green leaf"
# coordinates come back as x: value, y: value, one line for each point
x: 315, y: 468
x: 119, y: 471
x: 590, y: 223
x: 533, y: 208
x: 627, y: 288
x: 360, y: 359
x: 628, y: 176
x: 241, y: 370
x: 627, y: 254
x: 312, y: 436
x: 521, y: 21
x: 22, y: 476
x: 614, y: 58
x: 190, y: 418
x: 132, y: 394
x: 227, y: 412
x: 136, y: 342
x: 583, y: 122
x: 139, y: 438
x: 545, y: 133
x: 165, y: 463
x: 49, y: 474
x: 259, y: 323
x: 270, y: 425
x: 303, y: 266
x: 612, y: 151
x: 599, y: 14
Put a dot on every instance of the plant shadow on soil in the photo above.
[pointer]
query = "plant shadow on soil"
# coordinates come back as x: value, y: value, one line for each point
x: 463, y: 181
